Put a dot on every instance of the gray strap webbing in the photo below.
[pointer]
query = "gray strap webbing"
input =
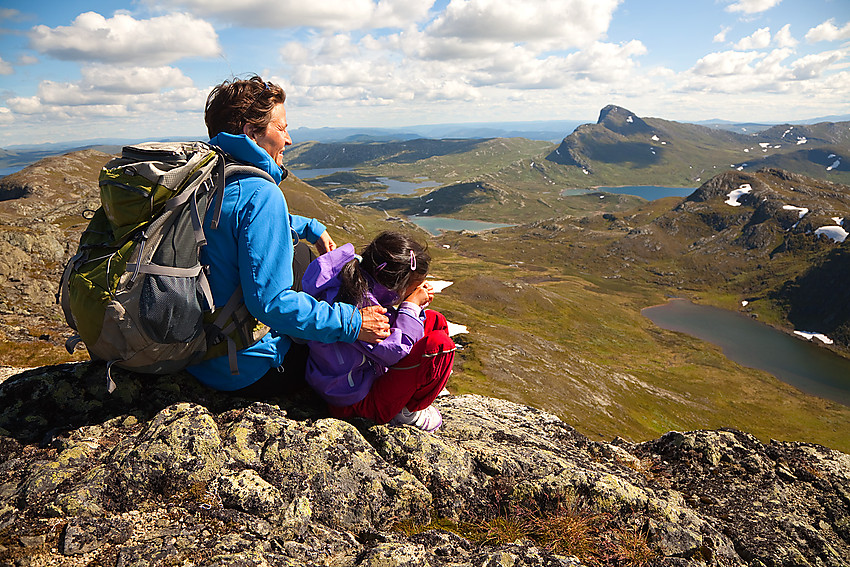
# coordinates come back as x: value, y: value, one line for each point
x: 197, y: 226
x: 182, y: 198
x: 166, y: 270
x: 218, y: 195
x: 110, y: 383
x: 230, y: 308
x: 72, y: 342
x: 207, y: 291
x: 179, y: 199
x: 225, y: 170
x: 65, y: 291
x: 234, y: 168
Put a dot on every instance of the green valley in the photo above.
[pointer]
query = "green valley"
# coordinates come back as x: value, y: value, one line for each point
x: 552, y: 303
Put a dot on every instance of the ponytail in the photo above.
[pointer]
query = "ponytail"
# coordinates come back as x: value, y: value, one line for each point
x: 392, y: 259
x: 353, y: 285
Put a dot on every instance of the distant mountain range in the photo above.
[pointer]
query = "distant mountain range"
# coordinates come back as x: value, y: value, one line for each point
x: 624, y: 149
x: 520, y: 180
x: 19, y: 155
x: 552, y: 305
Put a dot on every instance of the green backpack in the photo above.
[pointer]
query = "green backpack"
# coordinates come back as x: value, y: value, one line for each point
x: 136, y: 291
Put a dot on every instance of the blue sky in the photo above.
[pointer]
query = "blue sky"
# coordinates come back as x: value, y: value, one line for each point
x: 72, y: 70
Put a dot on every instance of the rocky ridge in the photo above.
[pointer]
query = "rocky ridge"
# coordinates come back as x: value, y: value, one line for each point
x: 166, y: 472
x: 688, y: 153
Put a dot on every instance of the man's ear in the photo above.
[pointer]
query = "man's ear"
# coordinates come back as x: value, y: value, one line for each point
x: 248, y: 129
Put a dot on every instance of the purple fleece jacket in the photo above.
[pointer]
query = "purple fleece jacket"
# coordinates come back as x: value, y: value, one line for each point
x: 343, y: 373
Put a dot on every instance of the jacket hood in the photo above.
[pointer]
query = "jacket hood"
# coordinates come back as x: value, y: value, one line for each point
x: 321, y: 279
x: 246, y: 150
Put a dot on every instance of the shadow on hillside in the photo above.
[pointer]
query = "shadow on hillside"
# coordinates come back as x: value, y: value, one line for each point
x: 410, y: 151
x: 43, y: 403
x: 820, y: 298
x: 443, y: 201
x: 636, y: 153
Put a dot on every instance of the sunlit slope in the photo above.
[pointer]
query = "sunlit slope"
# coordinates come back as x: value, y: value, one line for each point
x: 519, y: 180
x: 555, y: 307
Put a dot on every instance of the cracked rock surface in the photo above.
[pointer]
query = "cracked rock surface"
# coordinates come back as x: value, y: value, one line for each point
x: 166, y: 472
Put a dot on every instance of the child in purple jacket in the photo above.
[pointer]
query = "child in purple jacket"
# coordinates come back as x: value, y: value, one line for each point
x: 396, y: 380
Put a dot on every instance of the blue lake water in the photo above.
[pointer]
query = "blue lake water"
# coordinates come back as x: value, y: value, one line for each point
x: 393, y: 185
x: 436, y: 225
x: 648, y: 192
x: 4, y: 171
x: 795, y: 361
x: 405, y: 187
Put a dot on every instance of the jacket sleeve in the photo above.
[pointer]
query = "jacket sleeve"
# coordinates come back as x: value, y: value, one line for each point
x: 265, y: 251
x: 307, y: 229
x: 406, y: 329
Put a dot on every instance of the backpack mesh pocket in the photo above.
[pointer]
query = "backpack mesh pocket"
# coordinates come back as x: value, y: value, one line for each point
x: 170, y: 309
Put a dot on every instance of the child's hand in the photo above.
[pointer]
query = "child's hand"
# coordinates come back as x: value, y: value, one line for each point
x: 422, y: 295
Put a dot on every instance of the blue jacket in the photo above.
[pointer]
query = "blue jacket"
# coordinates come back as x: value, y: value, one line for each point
x: 253, y: 246
x: 343, y: 373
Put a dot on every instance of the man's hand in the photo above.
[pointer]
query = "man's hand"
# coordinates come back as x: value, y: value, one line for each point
x: 375, y: 326
x: 325, y: 243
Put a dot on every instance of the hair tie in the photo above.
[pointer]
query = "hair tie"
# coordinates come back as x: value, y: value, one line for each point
x: 358, y: 257
x: 412, y: 261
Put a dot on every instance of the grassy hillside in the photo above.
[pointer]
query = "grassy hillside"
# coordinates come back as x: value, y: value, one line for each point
x: 517, y: 180
x: 553, y: 306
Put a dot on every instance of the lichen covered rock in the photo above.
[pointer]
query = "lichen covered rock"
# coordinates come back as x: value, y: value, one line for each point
x: 167, y: 472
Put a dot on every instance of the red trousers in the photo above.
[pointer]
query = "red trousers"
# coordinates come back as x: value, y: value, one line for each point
x: 414, y: 382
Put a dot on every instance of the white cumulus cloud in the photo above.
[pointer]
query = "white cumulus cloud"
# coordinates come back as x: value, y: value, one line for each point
x: 721, y: 35
x: 560, y: 24
x: 783, y: 37
x: 758, y: 40
x: 325, y: 14
x: 752, y: 6
x: 112, y: 90
x: 814, y: 65
x: 828, y: 31
x: 6, y: 116
x: 726, y: 63
x: 122, y: 38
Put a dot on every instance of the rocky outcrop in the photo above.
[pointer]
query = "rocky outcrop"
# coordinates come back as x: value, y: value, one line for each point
x: 165, y: 472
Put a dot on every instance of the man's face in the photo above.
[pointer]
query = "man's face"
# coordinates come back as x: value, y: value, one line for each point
x: 275, y: 138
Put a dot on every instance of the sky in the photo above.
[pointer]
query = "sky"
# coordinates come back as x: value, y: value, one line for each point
x: 78, y: 70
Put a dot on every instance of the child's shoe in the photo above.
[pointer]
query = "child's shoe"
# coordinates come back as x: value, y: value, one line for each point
x: 428, y: 419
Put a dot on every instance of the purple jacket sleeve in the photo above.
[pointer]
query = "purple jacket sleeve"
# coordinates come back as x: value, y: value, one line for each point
x: 406, y: 328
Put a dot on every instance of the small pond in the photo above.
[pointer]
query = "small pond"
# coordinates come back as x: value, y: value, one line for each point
x: 800, y: 363
x: 437, y: 225
x: 405, y: 187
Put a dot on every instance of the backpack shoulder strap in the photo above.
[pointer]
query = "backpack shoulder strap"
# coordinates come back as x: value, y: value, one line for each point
x: 226, y: 167
x: 235, y: 168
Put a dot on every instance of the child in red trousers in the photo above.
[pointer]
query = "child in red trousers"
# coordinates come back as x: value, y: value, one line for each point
x: 396, y: 380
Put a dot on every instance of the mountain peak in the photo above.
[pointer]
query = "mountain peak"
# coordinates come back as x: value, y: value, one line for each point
x: 622, y: 121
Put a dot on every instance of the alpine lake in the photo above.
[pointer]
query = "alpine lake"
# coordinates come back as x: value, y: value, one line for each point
x: 796, y: 361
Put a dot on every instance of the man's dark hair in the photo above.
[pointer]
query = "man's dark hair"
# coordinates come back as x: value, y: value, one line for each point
x: 235, y: 103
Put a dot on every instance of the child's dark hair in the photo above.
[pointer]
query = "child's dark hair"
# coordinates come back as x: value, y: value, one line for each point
x: 392, y: 259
